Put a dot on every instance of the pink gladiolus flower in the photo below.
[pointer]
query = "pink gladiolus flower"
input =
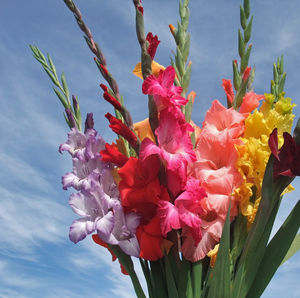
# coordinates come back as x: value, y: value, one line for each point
x: 174, y: 147
x: 163, y: 89
x: 185, y: 212
x: 220, y: 121
x: 215, y: 165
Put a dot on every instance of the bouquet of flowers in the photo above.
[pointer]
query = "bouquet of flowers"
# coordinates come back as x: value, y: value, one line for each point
x: 195, y: 204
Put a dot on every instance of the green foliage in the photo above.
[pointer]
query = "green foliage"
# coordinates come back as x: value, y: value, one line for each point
x: 61, y: 90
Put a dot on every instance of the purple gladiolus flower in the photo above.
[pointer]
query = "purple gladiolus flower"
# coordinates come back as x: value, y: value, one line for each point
x: 97, y: 200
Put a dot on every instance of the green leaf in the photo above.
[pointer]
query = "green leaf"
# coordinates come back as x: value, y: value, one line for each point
x: 295, y: 246
x: 171, y: 285
x: 197, y: 279
x: 275, y: 252
x: 219, y: 285
x: 259, y: 234
x: 185, y: 283
x: 158, y: 279
x: 146, y: 271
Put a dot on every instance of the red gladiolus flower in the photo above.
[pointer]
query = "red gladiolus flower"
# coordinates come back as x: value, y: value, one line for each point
x: 139, y: 188
x: 287, y: 158
x: 99, y: 241
x: 112, y: 154
x: 153, y: 44
x: 121, y: 129
x: 150, y: 239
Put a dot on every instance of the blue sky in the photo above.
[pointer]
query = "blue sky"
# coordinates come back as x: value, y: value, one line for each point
x: 36, y: 257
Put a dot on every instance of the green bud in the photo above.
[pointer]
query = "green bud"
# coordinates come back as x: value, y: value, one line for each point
x: 179, y: 61
x: 236, y: 76
x: 245, y: 59
x: 186, y: 48
x: 281, y: 65
x: 273, y: 88
x: 247, y: 8
x: 275, y: 73
x: 52, y: 77
x: 61, y: 98
x: 241, y: 44
x: 180, y: 35
x: 240, y: 94
x: 247, y: 32
x: 186, y: 77
x: 243, y: 19
x: 281, y: 83
x: 65, y: 86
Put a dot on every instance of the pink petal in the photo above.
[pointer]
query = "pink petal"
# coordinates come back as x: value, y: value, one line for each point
x: 168, y: 215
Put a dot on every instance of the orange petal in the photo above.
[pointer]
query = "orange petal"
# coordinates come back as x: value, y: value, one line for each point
x: 156, y: 68
x: 143, y: 130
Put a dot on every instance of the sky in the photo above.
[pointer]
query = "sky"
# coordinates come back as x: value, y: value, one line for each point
x: 37, y: 258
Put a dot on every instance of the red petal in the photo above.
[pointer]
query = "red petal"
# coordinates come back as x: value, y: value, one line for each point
x: 273, y: 143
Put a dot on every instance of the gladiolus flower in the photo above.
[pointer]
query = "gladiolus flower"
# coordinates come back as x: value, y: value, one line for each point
x: 163, y: 89
x: 287, y: 158
x: 113, y: 155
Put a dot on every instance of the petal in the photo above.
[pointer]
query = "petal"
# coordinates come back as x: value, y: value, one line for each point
x: 104, y: 227
x: 78, y: 229
x: 169, y: 218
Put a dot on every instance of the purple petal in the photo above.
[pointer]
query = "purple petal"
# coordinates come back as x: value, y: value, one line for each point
x: 130, y: 247
x: 78, y: 230
x: 105, y: 226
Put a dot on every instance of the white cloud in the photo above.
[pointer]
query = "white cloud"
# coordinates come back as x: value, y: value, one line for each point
x: 29, y: 222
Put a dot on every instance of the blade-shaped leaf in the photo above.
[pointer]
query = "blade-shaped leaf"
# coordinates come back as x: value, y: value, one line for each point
x: 275, y: 252
x: 171, y: 285
x: 219, y: 285
x: 295, y: 246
